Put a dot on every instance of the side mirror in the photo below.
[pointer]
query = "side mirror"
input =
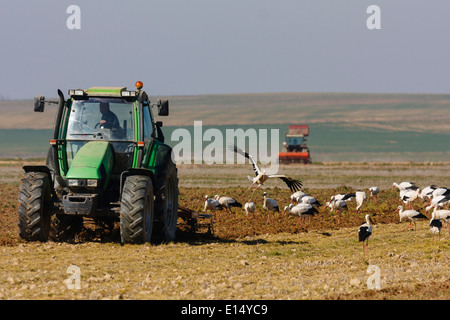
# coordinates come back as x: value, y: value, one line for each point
x: 163, y: 107
x: 39, y: 102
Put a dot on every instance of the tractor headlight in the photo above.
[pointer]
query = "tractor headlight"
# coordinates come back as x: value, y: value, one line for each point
x: 128, y: 93
x: 76, y: 92
x: 77, y: 182
x: 83, y: 183
x: 92, y: 183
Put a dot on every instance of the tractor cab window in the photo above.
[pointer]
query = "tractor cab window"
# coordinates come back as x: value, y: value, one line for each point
x: 294, y: 143
x: 148, y: 129
x: 101, y: 119
x: 104, y: 119
x: 294, y: 140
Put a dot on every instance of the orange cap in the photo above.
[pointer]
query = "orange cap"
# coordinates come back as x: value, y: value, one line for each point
x: 139, y: 85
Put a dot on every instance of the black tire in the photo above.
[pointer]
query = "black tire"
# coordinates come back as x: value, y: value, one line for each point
x: 166, y: 207
x: 34, y: 207
x: 65, y: 227
x: 137, y: 210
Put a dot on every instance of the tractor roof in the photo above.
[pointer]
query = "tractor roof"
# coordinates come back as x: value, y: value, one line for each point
x: 106, y: 91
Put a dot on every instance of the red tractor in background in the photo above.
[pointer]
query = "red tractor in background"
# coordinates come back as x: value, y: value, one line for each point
x: 294, y: 146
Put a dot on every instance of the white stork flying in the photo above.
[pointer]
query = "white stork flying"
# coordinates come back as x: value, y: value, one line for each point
x: 261, y: 176
x: 301, y: 210
x: 364, y: 232
x: 270, y: 204
x: 411, y: 215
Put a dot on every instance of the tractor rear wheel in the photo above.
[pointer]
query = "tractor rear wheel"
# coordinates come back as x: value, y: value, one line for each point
x: 166, y: 207
x: 34, y: 207
x: 137, y: 210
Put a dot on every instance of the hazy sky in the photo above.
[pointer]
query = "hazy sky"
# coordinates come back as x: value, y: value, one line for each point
x: 187, y: 47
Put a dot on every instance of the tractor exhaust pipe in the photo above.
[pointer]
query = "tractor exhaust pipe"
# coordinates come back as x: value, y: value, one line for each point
x: 56, y: 134
x: 58, y: 117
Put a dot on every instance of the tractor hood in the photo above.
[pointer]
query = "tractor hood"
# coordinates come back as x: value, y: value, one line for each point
x: 93, y: 161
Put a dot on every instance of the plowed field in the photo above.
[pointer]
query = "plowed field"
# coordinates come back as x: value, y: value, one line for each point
x: 247, y: 257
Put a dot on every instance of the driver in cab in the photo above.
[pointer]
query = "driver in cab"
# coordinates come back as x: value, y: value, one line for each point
x: 109, y: 119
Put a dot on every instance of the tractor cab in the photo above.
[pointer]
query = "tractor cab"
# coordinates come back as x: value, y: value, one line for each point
x: 104, y: 119
x: 104, y: 131
x: 294, y: 143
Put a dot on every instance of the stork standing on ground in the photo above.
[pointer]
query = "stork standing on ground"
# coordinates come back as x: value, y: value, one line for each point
x: 438, y: 201
x: 261, y: 176
x: 408, y: 196
x: 442, y: 215
x: 427, y: 192
x: 228, y: 203
x: 297, y: 196
x: 435, y: 226
x: 310, y: 200
x: 442, y: 191
x: 343, y: 196
x: 404, y: 185
x: 339, y: 202
x: 360, y: 196
x: 270, y: 204
x: 339, y: 205
x: 374, y: 191
x: 301, y: 210
x: 249, y: 207
x: 211, y: 204
x: 364, y: 232
x: 411, y: 215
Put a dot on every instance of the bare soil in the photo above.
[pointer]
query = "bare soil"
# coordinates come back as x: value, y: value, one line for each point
x: 247, y: 257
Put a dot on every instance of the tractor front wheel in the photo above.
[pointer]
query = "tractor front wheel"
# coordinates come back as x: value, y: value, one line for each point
x: 137, y: 210
x: 34, y: 207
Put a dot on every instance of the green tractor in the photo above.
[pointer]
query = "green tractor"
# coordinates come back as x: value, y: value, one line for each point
x: 108, y: 162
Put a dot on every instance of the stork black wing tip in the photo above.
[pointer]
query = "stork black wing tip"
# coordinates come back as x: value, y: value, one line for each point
x: 236, y: 149
x: 232, y: 147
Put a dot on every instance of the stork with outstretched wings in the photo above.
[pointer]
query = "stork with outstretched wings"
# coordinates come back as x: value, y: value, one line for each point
x: 261, y: 176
